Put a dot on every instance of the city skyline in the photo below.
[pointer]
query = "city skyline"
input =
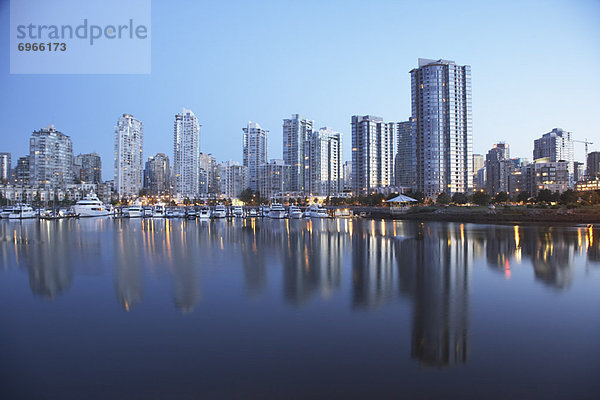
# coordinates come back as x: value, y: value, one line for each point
x: 507, y: 81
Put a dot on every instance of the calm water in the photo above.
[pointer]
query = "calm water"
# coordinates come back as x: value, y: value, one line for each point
x: 161, y: 309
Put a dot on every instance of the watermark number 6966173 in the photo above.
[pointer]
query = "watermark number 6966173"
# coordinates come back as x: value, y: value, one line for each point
x: 42, y: 46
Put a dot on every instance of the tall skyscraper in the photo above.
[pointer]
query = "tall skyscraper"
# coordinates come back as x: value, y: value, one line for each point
x: 129, y: 144
x: 498, y: 169
x: 208, y: 175
x: 348, y: 176
x: 295, y: 132
x: 441, y: 108
x: 593, y: 165
x: 156, y: 175
x: 50, y: 158
x: 405, y: 158
x: 557, y: 145
x: 186, y: 154
x: 5, y: 167
x: 255, y: 152
x: 372, y: 153
x: 478, y: 163
x: 323, y: 173
x: 89, y: 168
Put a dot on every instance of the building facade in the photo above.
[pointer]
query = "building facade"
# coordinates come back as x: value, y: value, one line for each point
x: 441, y: 110
x: 348, y: 176
x: 88, y: 168
x: 22, y: 172
x: 498, y: 169
x: 50, y: 158
x: 593, y: 165
x: 157, y: 175
x: 186, y: 154
x: 557, y: 145
x: 373, y: 153
x: 233, y: 179
x: 254, y: 152
x: 274, y: 179
x: 405, y: 158
x: 5, y: 167
x: 208, y: 185
x: 128, y: 161
x: 323, y: 157
x: 296, y: 131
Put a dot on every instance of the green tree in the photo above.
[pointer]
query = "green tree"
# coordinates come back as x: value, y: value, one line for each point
x: 523, y: 197
x: 443, y: 198
x: 591, y: 197
x: 460, y: 198
x: 544, y: 196
x: 569, y: 196
x: 248, y: 196
x: 501, y: 197
x: 481, y: 198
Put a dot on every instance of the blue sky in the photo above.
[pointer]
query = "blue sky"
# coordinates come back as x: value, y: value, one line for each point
x: 535, y: 66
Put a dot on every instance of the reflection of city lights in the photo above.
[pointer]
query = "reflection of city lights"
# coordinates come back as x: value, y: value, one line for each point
x: 507, y: 269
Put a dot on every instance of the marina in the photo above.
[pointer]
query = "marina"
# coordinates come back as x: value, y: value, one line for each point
x: 145, y: 303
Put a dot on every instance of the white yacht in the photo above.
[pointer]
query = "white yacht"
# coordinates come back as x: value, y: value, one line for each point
x: 238, y: 212
x: 6, y: 212
x: 295, y: 212
x: 90, y: 206
x: 147, y: 212
x: 316, y: 211
x: 159, y: 210
x: 220, y: 211
x: 134, y: 211
x: 22, y: 211
x: 204, y: 213
x: 276, y: 211
x: 253, y: 213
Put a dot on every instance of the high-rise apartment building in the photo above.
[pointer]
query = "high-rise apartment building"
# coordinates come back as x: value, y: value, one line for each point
x: 50, y: 158
x: 373, y: 153
x: 348, y: 176
x: 498, y: 169
x: 274, y: 179
x: 128, y: 162
x: 22, y: 177
x: 254, y: 152
x: 186, y: 154
x: 557, y: 145
x: 441, y: 109
x: 323, y: 173
x: 157, y: 174
x: 478, y: 163
x: 593, y: 165
x: 405, y: 158
x: 295, y: 132
x: 5, y: 167
x: 208, y: 175
x: 89, y: 168
x: 233, y: 178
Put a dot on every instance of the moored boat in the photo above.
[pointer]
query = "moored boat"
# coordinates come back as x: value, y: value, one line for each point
x: 276, y: 211
x: 22, y: 211
x: 90, y: 206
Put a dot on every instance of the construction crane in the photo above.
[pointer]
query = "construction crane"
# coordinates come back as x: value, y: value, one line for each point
x: 586, y: 146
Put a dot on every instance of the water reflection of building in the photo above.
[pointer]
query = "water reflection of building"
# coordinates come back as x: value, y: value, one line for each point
x: 47, y: 250
x: 128, y: 258
x: 311, y: 261
x: 372, y: 266
x: 434, y: 270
